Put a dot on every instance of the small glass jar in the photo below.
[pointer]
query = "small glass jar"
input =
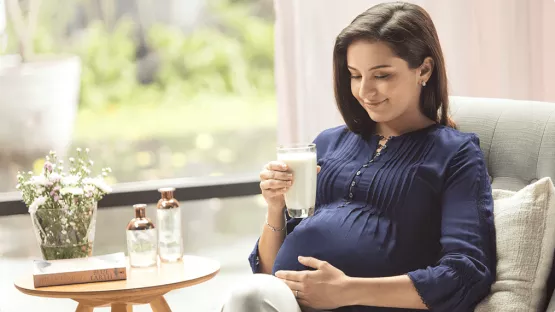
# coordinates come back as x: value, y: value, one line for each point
x: 168, y: 217
x: 142, y: 242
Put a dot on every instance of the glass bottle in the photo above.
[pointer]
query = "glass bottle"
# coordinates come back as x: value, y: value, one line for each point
x: 170, y: 242
x: 141, y: 239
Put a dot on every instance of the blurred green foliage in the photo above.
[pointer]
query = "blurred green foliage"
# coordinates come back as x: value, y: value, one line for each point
x: 210, y: 109
x: 109, y: 68
x: 233, y: 55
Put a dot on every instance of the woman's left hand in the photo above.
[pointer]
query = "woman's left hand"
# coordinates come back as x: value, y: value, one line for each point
x: 319, y: 289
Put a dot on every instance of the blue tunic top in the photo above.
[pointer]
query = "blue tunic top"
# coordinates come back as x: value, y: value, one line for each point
x: 422, y: 207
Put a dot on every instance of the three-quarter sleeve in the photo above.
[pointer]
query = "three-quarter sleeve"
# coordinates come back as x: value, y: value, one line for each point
x: 463, y: 275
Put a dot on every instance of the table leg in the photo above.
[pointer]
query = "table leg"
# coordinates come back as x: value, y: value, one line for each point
x: 121, y: 307
x: 84, y: 308
x: 160, y: 305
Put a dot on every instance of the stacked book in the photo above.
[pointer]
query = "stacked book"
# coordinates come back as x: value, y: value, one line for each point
x: 111, y: 267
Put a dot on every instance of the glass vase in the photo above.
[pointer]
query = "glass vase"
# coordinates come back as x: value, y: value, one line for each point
x: 66, y: 232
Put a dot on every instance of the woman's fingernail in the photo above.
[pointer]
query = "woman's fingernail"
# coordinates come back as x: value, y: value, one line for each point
x: 284, y: 166
x: 289, y: 183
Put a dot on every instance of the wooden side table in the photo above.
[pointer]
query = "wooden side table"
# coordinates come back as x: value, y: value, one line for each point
x: 143, y: 286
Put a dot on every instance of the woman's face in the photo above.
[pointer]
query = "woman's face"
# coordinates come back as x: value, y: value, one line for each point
x: 383, y: 83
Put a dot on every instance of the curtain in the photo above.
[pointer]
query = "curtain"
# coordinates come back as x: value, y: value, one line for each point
x: 493, y: 48
x: 3, y: 17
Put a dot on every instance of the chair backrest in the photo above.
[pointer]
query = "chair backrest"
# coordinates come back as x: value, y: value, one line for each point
x: 518, y: 141
x: 517, y: 137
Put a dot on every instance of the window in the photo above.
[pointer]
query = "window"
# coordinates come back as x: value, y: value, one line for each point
x: 164, y: 89
x: 167, y: 89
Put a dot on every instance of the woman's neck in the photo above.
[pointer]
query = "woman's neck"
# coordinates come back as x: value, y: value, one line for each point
x: 401, y: 126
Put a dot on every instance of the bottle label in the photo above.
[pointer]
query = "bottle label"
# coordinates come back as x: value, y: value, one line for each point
x: 169, y: 231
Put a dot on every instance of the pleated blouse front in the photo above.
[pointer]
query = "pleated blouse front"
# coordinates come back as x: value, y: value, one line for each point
x: 421, y: 207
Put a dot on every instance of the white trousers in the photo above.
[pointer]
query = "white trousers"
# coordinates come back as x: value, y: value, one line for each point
x: 261, y: 293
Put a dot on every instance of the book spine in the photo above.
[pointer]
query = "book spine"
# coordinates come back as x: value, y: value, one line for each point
x: 80, y: 277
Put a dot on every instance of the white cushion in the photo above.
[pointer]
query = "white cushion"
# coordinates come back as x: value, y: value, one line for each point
x: 525, y: 226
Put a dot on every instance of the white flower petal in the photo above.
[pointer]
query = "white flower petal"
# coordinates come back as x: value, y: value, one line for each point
x: 38, y: 181
x: 72, y: 191
x: 55, y: 177
x: 98, y: 183
x: 39, y: 201
x: 70, y: 180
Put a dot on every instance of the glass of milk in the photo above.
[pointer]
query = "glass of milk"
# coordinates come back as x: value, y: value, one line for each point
x: 300, y: 199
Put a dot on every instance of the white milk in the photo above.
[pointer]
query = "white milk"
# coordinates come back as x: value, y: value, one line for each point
x: 301, y: 197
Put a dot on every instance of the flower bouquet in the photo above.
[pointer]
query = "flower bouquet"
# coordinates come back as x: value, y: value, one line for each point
x: 63, y: 205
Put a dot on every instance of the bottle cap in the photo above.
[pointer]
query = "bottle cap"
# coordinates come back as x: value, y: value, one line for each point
x: 140, y: 210
x: 140, y: 222
x: 167, y: 192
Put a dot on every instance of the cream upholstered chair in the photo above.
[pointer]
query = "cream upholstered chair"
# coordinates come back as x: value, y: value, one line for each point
x: 518, y: 141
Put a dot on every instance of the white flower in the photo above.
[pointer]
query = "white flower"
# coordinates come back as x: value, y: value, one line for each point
x: 89, y: 188
x: 71, y: 190
x: 39, y: 201
x: 38, y: 181
x: 70, y: 180
x: 54, y: 177
x: 100, y: 184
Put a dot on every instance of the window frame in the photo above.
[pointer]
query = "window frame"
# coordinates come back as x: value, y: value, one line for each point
x: 127, y: 194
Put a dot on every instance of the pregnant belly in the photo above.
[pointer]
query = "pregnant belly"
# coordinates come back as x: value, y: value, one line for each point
x: 353, y: 240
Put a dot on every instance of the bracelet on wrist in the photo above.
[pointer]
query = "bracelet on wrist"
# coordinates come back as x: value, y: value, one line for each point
x: 276, y: 229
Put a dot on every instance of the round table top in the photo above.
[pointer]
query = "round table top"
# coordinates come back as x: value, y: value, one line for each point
x: 160, y: 279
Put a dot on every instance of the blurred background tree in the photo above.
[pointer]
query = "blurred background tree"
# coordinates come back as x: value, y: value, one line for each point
x: 187, y: 82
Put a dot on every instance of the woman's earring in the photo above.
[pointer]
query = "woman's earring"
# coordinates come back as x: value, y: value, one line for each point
x: 423, y: 83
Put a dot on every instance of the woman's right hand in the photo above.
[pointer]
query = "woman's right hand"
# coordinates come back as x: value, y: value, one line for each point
x: 275, y: 180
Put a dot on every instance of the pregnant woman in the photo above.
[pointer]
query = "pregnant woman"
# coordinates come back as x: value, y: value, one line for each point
x: 404, y: 212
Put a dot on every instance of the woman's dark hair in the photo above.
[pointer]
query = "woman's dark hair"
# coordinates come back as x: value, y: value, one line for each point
x: 410, y: 33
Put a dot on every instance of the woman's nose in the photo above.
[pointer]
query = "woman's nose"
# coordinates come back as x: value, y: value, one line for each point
x: 367, y: 90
